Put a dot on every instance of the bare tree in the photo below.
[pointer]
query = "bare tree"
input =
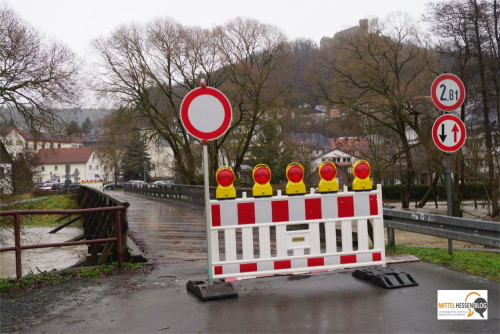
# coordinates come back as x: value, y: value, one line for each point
x: 115, y: 136
x: 254, y: 55
x: 36, y: 75
x: 379, y: 71
x: 150, y: 68
x: 469, y: 36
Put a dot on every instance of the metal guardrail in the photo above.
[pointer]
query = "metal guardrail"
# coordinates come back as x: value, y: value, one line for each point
x: 190, y: 193
x: 475, y: 231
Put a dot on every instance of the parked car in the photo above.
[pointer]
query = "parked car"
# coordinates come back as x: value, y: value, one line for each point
x: 44, y: 186
x: 54, y: 187
x: 136, y: 182
x: 161, y: 183
x: 113, y: 185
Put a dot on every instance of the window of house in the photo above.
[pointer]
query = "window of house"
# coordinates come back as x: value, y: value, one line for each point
x: 90, y: 167
x: 43, y: 168
x: 55, y: 167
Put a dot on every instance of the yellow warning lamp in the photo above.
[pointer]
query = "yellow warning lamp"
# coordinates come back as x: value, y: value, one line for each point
x: 361, y: 171
x: 225, y: 178
x: 295, y: 176
x: 261, y: 175
x: 327, y: 172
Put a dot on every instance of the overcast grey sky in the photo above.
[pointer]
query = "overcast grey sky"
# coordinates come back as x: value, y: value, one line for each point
x: 77, y: 22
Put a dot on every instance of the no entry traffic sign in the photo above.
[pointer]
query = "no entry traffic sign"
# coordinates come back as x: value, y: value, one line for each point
x: 448, y: 133
x: 206, y: 113
x: 447, y: 92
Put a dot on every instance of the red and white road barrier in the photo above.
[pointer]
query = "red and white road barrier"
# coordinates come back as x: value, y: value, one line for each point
x: 96, y: 184
x: 281, y: 234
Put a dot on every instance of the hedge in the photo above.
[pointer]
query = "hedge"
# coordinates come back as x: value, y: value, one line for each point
x: 472, y: 192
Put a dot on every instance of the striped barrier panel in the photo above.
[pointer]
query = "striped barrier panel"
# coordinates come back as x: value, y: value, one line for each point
x: 288, y: 234
x: 96, y: 184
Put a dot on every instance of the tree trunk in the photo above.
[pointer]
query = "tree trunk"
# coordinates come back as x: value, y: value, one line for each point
x: 430, y: 191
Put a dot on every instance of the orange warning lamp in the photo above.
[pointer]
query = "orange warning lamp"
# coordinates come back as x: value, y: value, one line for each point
x: 327, y: 172
x: 225, y: 178
x: 295, y: 176
x: 261, y: 175
x: 361, y: 171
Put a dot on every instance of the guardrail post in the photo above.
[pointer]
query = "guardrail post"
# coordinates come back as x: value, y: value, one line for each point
x: 17, y: 241
x: 391, y: 241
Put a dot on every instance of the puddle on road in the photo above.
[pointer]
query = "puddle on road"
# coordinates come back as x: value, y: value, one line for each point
x: 40, y: 259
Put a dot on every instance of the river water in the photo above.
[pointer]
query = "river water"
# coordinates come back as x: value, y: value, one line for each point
x: 40, y: 259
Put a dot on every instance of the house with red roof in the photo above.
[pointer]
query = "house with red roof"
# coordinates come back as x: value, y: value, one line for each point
x: 81, y: 163
x: 18, y: 141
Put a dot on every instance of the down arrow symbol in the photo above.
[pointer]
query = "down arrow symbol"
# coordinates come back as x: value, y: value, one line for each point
x: 442, y: 136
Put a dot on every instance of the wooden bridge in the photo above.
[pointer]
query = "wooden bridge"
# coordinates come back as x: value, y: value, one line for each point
x: 166, y: 230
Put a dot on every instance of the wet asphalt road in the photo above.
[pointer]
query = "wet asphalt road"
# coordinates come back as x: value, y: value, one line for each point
x: 155, y: 300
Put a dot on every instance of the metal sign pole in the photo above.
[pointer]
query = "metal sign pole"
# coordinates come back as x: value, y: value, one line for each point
x: 207, y: 212
x: 448, y: 196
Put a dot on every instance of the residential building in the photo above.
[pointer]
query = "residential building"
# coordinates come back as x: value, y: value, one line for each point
x: 311, y: 144
x: 161, y: 159
x: 18, y: 141
x: 5, y: 171
x: 343, y: 161
x: 81, y: 163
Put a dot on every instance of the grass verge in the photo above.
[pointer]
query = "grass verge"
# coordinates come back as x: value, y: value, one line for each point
x: 56, y: 202
x: 482, y: 264
x: 28, y: 282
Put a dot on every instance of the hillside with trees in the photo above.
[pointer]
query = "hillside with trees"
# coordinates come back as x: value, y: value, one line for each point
x: 371, y: 81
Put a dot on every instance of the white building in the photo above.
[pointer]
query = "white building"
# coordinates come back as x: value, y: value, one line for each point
x: 80, y: 162
x: 18, y: 141
x: 162, y: 158
x: 342, y: 160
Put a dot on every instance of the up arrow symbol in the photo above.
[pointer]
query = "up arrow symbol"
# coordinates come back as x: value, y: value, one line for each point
x: 442, y: 136
x: 455, y: 130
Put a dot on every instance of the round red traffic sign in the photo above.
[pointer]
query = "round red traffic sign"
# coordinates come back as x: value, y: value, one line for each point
x: 206, y: 113
x: 448, y: 133
x: 447, y: 92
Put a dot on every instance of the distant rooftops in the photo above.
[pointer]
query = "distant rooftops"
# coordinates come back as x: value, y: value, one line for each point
x: 64, y: 155
x: 39, y: 136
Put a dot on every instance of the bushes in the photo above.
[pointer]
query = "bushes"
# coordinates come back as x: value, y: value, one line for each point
x: 472, y: 192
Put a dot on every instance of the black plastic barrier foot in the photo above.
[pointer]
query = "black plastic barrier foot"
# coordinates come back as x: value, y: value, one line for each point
x: 388, y: 279
x: 205, y: 292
